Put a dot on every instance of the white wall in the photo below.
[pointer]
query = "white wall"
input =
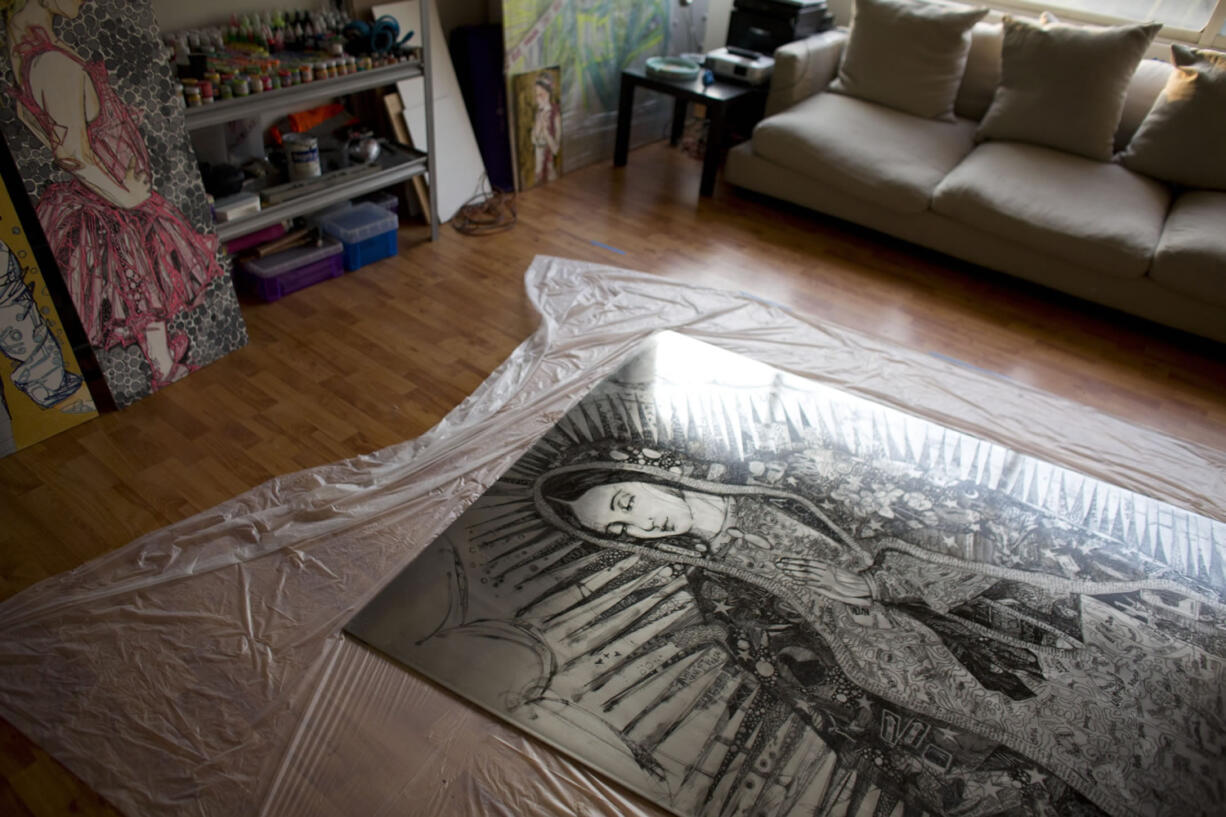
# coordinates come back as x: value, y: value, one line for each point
x: 173, y: 15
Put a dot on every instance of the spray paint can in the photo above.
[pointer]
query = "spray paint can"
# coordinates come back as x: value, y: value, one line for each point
x: 302, y: 156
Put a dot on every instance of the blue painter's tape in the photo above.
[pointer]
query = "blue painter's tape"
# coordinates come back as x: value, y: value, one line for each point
x: 610, y: 249
x: 970, y: 366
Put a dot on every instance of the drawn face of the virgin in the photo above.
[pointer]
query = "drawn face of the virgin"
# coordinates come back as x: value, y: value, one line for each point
x: 640, y: 509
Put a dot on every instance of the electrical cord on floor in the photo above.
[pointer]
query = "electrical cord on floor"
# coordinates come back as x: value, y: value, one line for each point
x: 487, y: 212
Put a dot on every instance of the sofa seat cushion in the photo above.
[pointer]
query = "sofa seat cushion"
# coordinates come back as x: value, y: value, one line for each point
x: 1097, y: 214
x: 888, y: 157
x: 1191, y: 256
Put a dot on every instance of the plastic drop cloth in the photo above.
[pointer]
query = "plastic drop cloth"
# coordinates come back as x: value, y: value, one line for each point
x: 201, y: 670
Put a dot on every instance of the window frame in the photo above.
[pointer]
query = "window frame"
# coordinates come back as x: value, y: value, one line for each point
x: 1212, y: 35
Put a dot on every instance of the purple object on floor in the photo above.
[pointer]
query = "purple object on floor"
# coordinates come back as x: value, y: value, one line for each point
x: 279, y: 274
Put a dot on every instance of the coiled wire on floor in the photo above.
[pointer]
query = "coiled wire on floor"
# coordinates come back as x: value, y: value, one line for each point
x: 489, y: 211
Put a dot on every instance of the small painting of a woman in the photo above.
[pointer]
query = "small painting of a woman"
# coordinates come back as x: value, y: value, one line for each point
x: 131, y: 260
x: 539, y: 114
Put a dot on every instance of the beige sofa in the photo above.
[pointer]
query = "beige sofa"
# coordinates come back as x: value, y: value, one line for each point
x: 1093, y: 229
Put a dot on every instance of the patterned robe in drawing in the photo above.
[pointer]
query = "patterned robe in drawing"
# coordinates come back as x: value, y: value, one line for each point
x: 1058, y: 672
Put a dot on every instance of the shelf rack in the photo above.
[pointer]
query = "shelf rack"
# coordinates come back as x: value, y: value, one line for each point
x: 285, y: 100
x: 398, y: 168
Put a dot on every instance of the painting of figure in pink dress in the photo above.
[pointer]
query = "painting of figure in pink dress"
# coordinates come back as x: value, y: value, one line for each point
x: 134, y: 264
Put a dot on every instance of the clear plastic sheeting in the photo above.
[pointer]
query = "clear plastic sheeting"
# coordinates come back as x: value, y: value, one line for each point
x: 201, y: 670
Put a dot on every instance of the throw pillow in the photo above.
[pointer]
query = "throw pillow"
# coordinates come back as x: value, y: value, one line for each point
x: 1183, y: 137
x: 907, y: 54
x: 1063, y: 86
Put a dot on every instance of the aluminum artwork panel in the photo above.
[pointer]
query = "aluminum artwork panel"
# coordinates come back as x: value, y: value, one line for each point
x: 739, y: 592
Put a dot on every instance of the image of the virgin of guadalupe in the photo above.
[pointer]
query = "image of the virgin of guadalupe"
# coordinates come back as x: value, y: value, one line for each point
x: 949, y: 685
x: 131, y: 260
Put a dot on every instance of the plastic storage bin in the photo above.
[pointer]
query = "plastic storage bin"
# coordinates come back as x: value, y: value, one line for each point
x: 367, y: 231
x: 388, y: 201
x: 282, y: 273
x: 317, y: 218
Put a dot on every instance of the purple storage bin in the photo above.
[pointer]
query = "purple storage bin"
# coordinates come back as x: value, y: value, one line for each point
x: 282, y: 273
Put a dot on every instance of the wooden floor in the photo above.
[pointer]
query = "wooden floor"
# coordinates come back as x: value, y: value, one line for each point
x: 378, y: 356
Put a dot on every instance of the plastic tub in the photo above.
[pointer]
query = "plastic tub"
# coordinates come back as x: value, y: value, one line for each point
x: 388, y: 201
x: 316, y: 218
x: 282, y: 273
x: 367, y: 231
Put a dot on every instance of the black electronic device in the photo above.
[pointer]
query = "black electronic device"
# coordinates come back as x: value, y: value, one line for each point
x: 764, y: 25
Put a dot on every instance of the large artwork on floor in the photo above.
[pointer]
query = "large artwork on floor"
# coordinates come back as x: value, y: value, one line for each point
x: 93, y: 120
x: 743, y: 593
x: 42, y: 391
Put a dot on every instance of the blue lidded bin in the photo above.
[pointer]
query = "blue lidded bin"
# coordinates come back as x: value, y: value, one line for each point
x: 367, y: 231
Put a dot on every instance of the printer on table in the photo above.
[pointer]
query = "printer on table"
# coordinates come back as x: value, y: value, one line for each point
x: 757, y: 28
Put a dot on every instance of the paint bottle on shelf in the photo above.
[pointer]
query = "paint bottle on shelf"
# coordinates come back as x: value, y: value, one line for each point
x: 302, y: 156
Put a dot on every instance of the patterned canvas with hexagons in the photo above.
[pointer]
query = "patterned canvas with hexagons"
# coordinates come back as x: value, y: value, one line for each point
x: 739, y: 592
x: 92, y: 116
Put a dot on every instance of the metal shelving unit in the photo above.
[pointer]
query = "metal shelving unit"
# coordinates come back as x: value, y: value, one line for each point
x: 403, y: 169
x: 285, y: 100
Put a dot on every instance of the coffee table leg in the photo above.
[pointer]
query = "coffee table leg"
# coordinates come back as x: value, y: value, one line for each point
x: 625, y: 109
x: 715, y: 148
x: 679, y: 106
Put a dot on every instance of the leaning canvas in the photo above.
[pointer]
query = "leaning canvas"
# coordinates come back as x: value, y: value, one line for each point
x: 538, y: 126
x: 94, y: 120
x: 740, y: 592
x: 42, y: 390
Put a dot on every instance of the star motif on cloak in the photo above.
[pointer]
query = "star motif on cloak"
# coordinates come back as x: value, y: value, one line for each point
x: 989, y: 788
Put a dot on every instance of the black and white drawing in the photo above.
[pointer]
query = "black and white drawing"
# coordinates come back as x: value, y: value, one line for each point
x: 743, y: 593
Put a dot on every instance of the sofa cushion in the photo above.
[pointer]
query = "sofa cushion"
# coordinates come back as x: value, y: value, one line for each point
x: 982, y: 73
x: 907, y: 54
x: 1097, y: 214
x: 1064, y: 86
x: 1183, y: 139
x: 886, y: 156
x: 1191, y: 256
x: 1147, y: 83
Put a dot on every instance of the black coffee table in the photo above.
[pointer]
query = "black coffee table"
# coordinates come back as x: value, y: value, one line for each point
x: 718, y: 99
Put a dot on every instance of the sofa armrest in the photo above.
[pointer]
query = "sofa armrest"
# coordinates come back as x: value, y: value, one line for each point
x: 803, y: 68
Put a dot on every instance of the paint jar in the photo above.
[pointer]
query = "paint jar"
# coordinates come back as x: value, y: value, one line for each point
x: 306, y: 73
x: 206, y: 91
x: 365, y: 63
x: 266, y: 79
x: 302, y: 156
x: 288, y: 78
x: 321, y: 71
x: 191, y: 96
x: 226, y: 91
x: 240, y: 87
